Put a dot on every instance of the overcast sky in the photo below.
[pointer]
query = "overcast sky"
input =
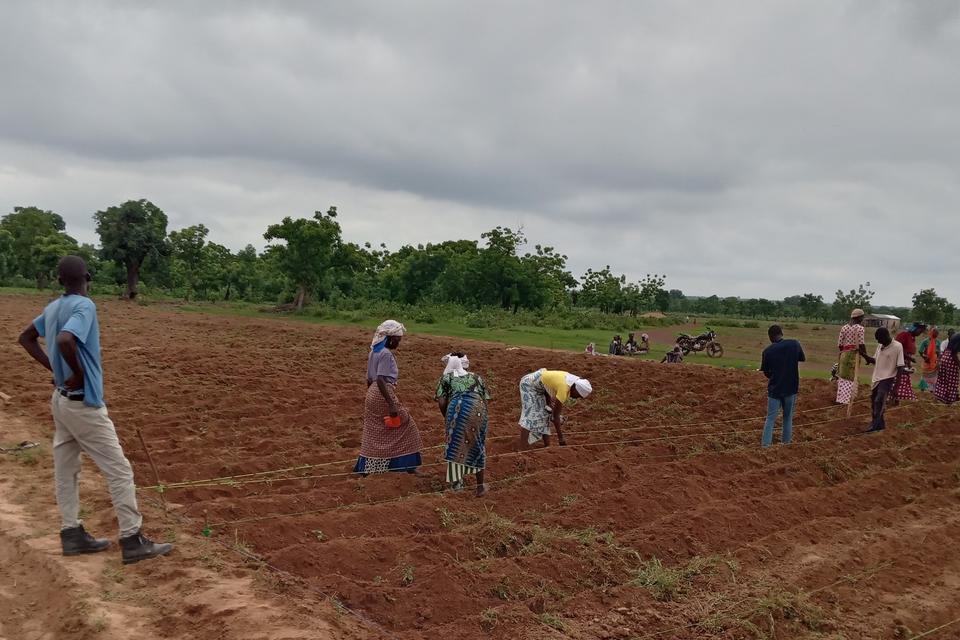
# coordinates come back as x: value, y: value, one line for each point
x: 757, y: 148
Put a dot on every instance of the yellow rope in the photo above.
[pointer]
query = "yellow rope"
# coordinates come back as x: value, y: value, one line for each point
x: 225, y: 480
x: 935, y: 629
x: 230, y: 482
x: 522, y: 476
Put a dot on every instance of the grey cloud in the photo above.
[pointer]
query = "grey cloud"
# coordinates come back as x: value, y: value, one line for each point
x: 688, y: 137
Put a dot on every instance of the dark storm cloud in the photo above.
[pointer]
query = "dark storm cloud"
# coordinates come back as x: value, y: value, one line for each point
x: 684, y: 137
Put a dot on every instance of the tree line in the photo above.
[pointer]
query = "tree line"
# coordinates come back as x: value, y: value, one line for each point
x: 308, y: 259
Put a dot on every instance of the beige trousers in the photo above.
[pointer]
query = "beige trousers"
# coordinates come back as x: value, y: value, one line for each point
x: 83, y: 429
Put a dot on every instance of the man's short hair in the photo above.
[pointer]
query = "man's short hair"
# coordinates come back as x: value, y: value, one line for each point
x: 775, y: 331
x: 72, y: 270
x: 881, y: 333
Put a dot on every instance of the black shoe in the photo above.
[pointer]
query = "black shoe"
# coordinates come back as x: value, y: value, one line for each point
x: 874, y: 429
x: 76, y: 541
x: 138, y: 547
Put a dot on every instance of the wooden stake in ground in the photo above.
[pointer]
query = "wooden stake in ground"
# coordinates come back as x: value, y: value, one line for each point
x: 856, y: 385
x: 156, y: 474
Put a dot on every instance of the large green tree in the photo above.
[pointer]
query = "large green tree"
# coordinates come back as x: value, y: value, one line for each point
x: 602, y: 290
x: 930, y: 308
x: 812, y: 306
x: 36, y: 237
x: 8, y: 261
x: 310, y: 249
x: 47, y: 252
x: 730, y: 305
x: 443, y: 271
x: 216, y: 267
x: 195, y: 266
x: 464, y: 272
x: 709, y: 305
x: 553, y: 282
x: 242, y: 274
x: 129, y: 233
x: 859, y: 298
x: 502, y: 281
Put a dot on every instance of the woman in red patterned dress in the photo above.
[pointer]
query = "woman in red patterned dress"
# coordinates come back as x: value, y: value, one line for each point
x: 391, y: 440
x: 946, y: 389
x: 908, y: 338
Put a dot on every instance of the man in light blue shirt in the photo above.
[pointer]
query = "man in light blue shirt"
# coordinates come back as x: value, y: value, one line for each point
x: 76, y: 315
x: 69, y: 328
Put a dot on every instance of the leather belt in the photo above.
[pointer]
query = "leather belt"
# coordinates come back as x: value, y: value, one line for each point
x: 69, y: 396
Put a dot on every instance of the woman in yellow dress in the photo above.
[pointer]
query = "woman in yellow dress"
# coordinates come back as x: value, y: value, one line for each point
x: 542, y: 395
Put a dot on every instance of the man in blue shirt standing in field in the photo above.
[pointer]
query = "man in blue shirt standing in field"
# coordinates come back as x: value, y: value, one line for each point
x: 780, y: 363
x: 72, y: 336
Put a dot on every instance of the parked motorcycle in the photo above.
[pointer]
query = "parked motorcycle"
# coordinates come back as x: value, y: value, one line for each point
x: 704, y: 342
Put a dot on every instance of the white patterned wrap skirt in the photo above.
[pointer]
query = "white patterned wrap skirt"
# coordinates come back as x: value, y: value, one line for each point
x: 535, y: 414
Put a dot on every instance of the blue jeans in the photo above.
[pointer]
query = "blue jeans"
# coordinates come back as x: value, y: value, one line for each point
x: 773, y: 408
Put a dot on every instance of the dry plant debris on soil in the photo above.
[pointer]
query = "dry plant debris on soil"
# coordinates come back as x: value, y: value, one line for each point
x: 675, y: 525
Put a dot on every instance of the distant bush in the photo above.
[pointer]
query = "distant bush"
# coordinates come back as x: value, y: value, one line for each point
x: 19, y: 282
x: 724, y: 322
x: 426, y: 316
x: 371, y: 312
x: 478, y: 320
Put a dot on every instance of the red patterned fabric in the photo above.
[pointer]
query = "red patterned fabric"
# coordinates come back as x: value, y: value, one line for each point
x: 909, y: 343
x: 905, y: 388
x: 851, y: 335
x: 946, y: 389
x: 379, y: 441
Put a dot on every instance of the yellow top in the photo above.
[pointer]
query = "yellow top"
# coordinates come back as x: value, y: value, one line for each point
x: 555, y: 382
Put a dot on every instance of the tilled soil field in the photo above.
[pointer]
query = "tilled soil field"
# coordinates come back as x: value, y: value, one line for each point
x: 662, y: 518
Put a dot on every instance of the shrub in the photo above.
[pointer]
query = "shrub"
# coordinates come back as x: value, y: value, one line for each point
x: 425, y: 316
x: 666, y: 583
x: 724, y: 322
x: 477, y: 320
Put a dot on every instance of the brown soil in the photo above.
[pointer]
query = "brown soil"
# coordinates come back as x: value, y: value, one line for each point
x: 839, y: 535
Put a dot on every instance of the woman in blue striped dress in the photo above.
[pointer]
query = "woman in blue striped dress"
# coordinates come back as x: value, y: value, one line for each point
x: 462, y: 397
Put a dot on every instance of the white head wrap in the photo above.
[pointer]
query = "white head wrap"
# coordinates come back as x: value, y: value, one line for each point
x: 387, y: 328
x: 584, y: 388
x: 456, y: 365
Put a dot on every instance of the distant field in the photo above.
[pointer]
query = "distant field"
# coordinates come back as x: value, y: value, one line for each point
x: 742, y: 346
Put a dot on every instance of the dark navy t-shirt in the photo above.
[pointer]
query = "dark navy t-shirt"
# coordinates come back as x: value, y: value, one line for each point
x: 780, y: 366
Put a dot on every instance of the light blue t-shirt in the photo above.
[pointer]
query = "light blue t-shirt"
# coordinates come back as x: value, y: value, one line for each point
x: 77, y: 315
